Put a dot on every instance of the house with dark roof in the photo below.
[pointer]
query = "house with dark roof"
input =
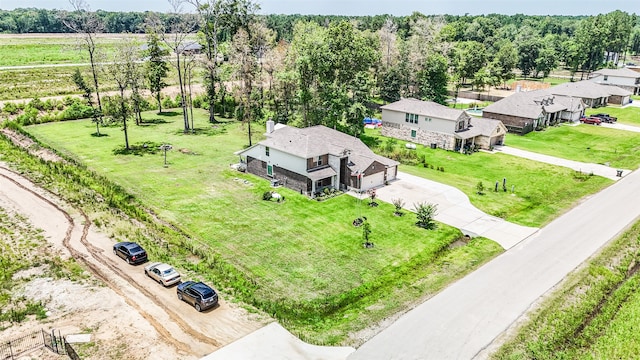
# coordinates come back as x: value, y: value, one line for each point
x: 623, y: 78
x: 313, y: 158
x: 525, y: 111
x: 593, y: 94
x: 431, y: 124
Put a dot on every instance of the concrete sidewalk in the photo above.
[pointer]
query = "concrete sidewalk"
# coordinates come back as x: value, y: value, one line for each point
x: 619, y: 126
x: 588, y: 168
x: 274, y: 342
x: 454, y: 209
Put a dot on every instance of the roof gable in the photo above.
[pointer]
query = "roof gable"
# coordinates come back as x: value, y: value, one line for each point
x: 425, y: 108
x: 622, y: 72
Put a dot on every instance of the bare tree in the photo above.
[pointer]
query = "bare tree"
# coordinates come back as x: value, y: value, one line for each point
x: 123, y: 70
x: 87, y: 24
x: 246, y: 71
x: 388, y: 41
x: 175, y: 38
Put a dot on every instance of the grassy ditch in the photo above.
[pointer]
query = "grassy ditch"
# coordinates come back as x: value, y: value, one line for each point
x: 300, y: 261
x: 536, y: 192
x: 593, y: 314
x: 585, y: 143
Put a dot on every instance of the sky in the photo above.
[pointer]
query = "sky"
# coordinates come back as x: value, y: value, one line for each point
x: 371, y: 7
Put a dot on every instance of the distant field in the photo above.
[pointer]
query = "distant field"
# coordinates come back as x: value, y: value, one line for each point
x: 21, y: 50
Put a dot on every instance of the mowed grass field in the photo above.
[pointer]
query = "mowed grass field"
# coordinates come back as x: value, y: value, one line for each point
x: 299, y: 251
x: 585, y: 143
x: 541, y: 192
x: 629, y: 115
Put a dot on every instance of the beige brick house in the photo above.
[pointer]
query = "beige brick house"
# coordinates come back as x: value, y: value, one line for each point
x: 439, y: 126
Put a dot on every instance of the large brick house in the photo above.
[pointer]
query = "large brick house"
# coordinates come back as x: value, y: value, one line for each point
x: 435, y: 125
x: 313, y: 158
x: 525, y: 111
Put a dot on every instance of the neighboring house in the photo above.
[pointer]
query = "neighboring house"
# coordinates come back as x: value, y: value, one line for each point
x: 593, y: 94
x: 435, y: 125
x: 623, y: 78
x: 311, y: 159
x: 523, y: 112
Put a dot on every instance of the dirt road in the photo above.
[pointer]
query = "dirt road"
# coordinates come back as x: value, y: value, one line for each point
x: 146, y: 316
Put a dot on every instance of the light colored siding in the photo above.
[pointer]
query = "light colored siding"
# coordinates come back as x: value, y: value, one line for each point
x: 279, y: 158
x: 433, y: 124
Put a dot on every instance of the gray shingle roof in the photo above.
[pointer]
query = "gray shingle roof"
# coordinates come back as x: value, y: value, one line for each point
x: 622, y: 72
x: 320, y: 140
x: 524, y: 104
x: 587, y: 89
x: 425, y: 108
x: 479, y: 126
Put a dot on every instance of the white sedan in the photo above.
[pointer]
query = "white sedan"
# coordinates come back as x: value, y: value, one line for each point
x: 163, y: 273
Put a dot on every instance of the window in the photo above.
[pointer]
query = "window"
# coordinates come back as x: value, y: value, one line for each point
x: 411, y: 118
x: 266, y: 150
x: 606, y: 77
x: 270, y: 170
x: 413, y: 133
x: 318, y: 160
x: 461, y: 125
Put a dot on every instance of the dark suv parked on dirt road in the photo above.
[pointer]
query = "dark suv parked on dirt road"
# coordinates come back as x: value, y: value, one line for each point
x: 131, y: 252
x: 198, y: 294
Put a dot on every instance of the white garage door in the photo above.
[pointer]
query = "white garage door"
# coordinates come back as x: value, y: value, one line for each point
x: 391, y: 173
x: 372, y: 180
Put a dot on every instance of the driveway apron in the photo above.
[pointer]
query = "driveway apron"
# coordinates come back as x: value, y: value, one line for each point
x: 454, y: 209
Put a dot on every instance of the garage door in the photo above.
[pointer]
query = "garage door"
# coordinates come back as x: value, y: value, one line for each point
x: 391, y: 173
x: 373, y: 180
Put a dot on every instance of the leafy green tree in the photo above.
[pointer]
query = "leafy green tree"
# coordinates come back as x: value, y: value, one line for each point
x: 122, y: 69
x: 220, y: 18
x: 157, y: 66
x: 505, y: 61
x: 366, y: 232
x: 467, y: 58
x: 425, y: 214
x: 391, y: 84
x: 528, y: 52
x: 434, y: 79
x: 547, y: 60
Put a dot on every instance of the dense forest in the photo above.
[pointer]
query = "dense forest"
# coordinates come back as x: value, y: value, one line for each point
x: 329, y: 70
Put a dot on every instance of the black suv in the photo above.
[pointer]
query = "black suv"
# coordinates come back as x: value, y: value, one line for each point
x: 131, y: 252
x: 198, y: 294
x: 606, y: 118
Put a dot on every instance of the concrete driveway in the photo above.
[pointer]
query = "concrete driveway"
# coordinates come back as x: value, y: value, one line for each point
x: 454, y: 209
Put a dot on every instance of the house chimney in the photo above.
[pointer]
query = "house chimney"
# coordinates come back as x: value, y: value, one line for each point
x: 270, y: 126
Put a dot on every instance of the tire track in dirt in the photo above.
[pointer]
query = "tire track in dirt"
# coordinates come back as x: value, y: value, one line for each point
x: 97, y: 254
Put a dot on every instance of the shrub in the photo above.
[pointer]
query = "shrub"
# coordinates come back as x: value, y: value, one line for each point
x: 425, y: 214
x: 11, y: 108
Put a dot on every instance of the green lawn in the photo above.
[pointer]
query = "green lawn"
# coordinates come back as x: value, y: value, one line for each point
x: 585, y: 143
x: 629, y: 115
x: 302, y: 252
x: 541, y: 191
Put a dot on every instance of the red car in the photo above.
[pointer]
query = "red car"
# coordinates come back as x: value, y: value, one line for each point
x: 591, y: 120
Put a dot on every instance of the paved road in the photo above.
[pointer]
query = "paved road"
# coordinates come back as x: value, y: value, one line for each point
x: 587, y: 168
x: 465, y: 318
x: 454, y: 208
